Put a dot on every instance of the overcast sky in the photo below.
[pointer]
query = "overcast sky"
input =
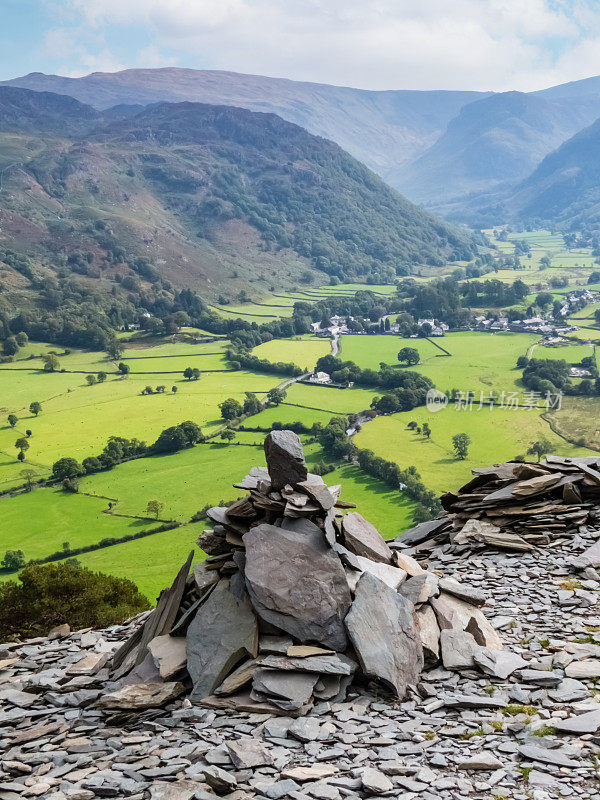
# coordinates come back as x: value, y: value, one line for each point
x: 372, y: 44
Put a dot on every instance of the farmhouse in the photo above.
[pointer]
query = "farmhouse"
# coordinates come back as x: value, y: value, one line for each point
x: 320, y: 377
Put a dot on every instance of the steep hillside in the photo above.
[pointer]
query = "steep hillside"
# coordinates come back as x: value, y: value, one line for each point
x: 381, y: 128
x: 565, y: 187
x: 213, y: 198
x: 493, y: 141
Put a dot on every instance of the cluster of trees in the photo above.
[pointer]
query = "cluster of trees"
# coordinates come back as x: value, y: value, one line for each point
x: 46, y: 596
x: 160, y: 389
x: 242, y: 359
x: 494, y: 293
x: 118, y: 449
x: 231, y: 409
x: 11, y: 345
x: 548, y: 375
x: 337, y: 444
x: 178, y: 437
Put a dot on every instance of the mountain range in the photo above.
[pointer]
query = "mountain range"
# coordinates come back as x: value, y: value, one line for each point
x: 215, y: 198
x: 438, y: 148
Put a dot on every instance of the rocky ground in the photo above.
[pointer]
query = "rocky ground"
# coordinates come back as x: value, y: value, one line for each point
x: 459, y: 735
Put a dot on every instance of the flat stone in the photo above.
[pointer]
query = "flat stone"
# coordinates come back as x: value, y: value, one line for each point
x: 218, y: 779
x: 409, y: 564
x: 383, y: 630
x: 375, y: 782
x: 319, y: 493
x: 295, y: 686
x: 455, y: 613
x: 297, y: 583
x: 169, y: 654
x: 285, y: 459
x: 335, y: 664
x: 241, y: 676
x: 547, y: 755
x: 59, y: 632
x: 306, y: 650
x: 483, y: 760
x: 588, y: 668
x: 463, y: 591
x: 305, y: 729
x: 222, y: 633
x: 179, y: 790
x: 90, y: 664
x: 568, y: 691
x: 498, y: 663
x: 314, y: 773
x: 539, y: 677
x: 580, y: 724
x: 140, y: 696
x: 387, y: 573
x: 363, y: 539
x: 248, y: 754
x: 589, y: 558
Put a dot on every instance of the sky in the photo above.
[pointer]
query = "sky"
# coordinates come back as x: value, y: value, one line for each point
x: 371, y: 44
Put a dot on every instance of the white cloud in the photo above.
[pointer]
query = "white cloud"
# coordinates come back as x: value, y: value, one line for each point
x: 499, y: 44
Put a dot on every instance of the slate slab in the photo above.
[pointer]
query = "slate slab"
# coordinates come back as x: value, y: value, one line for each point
x: 297, y: 583
x: 364, y: 539
x: 383, y: 630
x: 222, y: 633
x: 285, y: 459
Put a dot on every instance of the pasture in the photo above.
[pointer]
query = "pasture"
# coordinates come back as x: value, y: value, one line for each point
x: 301, y: 350
x: 496, y: 435
x: 478, y: 361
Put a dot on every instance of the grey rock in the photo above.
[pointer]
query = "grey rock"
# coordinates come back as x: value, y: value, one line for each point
x: 458, y: 649
x: 305, y: 729
x: 582, y: 723
x: 221, y: 634
x: 539, y: 677
x: 285, y: 459
x: 248, y: 754
x: 336, y: 664
x: 546, y: 755
x: 568, y: 691
x: 297, y: 583
x: 179, y: 790
x: 429, y: 631
x: 462, y: 590
x: 589, y: 558
x: 375, y: 782
x: 295, y: 686
x: 219, y: 780
x: 364, y: 539
x: 498, y: 663
x: 420, y: 588
x: 383, y: 630
x: 169, y: 654
x: 141, y: 696
x: 588, y: 668
x: 483, y: 760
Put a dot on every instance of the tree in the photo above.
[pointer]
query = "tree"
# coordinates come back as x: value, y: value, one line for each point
x: 174, y: 389
x: 543, y: 299
x: 101, y: 377
x: 230, y: 409
x: 35, y: 407
x: 51, y: 362
x: 421, y: 514
x: 67, y: 468
x: 12, y: 420
x: 276, y: 395
x: 540, y: 448
x: 28, y: 475
x: 227, y: 435
x: 154, y: 507
x: 188, y: 373
x: 409, y: 355
x: 22, y: 338
x: 252, y: 404
x: 91, y: 379
x: 13, y: 560
x: 196, y: 373
x: 124, y: 368
x: 522, y: 362
x: 461, y: 443
x: 22, y: 446
x: 426, y: 430
x: 177, y: 438
x: 160, y: 389
x: 10, y: 346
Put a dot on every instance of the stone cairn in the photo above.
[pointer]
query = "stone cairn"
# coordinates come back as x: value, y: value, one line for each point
x: 295, y: 600
x: 514, y: 506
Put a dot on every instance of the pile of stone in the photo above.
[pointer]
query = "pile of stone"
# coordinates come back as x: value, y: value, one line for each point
x: 295, y: 601
x: 514, y: 506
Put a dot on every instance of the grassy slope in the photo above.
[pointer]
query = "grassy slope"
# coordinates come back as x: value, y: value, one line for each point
x: 497, y: 435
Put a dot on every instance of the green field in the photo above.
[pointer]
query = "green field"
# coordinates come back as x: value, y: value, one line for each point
x: 578, y: 420
x: 40, y: 521
x: 301, y: 350
x: 77, y: 419
x: 479, y: 361
x: 571, y: 353
x: 497, y: 435
x: 326, y: 398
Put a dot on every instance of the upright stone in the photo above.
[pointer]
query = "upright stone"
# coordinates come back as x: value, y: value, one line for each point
x: 364, y: 539
x: 297, y: 583
x: 222, y: 633
x: 285, y: 459
x: 382, y: 628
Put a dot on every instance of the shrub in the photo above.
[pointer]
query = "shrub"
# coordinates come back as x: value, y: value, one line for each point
x: 45, y: 596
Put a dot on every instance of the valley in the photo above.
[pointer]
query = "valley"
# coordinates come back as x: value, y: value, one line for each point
x: 108, y: 516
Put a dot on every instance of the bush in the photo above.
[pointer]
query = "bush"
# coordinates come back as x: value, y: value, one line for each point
x: 51, y: 595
